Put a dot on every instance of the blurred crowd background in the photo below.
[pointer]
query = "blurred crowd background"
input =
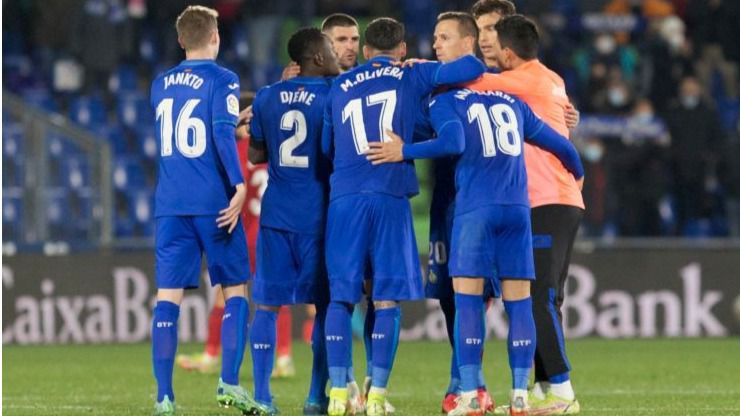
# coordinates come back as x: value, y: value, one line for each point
x: 656, y: 82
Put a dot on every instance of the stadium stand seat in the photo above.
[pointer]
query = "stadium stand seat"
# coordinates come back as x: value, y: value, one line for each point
x: 133, y: 109
x: 12, y: 213
x: 89, y: 111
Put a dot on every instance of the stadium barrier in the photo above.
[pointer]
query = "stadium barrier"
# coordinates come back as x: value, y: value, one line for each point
x: 620, y: 291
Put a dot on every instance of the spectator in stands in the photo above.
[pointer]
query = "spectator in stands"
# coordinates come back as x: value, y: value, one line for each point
x: 615, y: 98
x: 696, y: 139
x: 713, y: 26
x: 607, y: 51
x: 640, y: 172
x: 666, y: 56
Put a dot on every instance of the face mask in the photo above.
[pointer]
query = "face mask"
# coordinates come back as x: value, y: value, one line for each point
x: 605, y: 44
x: 617, y: 97
x: 689, y: 101
x: 593, y: 152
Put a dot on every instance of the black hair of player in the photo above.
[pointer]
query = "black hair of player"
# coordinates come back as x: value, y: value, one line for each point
x: 304, y: 44
x: 502, y: 7
x: 384, y: 34
x: 338, y: 19
x: 519, y: 34
x: 465, y: 22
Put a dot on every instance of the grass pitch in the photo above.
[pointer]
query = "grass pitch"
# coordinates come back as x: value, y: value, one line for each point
x: 611, y: 377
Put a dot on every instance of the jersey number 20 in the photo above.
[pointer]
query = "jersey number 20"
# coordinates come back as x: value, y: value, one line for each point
x: 184, y: 125
x: 507, y: 135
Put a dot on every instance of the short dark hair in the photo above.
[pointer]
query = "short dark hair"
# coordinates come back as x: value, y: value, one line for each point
x: 465, y: 22
x: 384, y: 34
x: 519, y: 34
x: 305, y: 43
x: 338, y: 19
x: 502, y: 7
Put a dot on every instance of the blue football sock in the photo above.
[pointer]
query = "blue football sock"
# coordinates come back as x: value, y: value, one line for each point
x: 233, y: 338
x: 368, y: 336
x: 164, y: 346
x: 385, y: 343
x: 522, y: 340
x: 338, y: 338
x: 469, y: 333
x: 320, y: 369
x: 262, y: 342
x: 560, y: 378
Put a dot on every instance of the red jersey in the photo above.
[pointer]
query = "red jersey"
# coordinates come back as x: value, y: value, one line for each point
x: 255, y: 176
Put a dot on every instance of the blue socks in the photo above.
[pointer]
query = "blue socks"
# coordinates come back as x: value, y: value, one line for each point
x: 368, y: 336
x: 338, y: 333
x: 522, y: 340
x: 233, y: 338
x: 262, y: 342
x: 385, y: 343
x: 320, y: 369
x: 469, y: 339
x: 164, y: 346
x: 560, y: 378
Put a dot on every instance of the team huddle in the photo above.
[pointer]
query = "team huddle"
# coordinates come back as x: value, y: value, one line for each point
x: 339, y: 139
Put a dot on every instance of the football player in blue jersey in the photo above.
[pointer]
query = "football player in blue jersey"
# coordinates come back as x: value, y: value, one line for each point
x: 369, y: 220
x: 286, y: 133
x: 455, y: 35
x: 199, y: 196
x: 491, y: 226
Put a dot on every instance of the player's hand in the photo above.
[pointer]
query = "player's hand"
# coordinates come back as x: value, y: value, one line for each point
x: 572, y: 116
x: 386, y: 152
x: 579, y: 182
x: 409, y: 62
x: 229, y: 217
x: 290, y: 71
x: 242, y: 125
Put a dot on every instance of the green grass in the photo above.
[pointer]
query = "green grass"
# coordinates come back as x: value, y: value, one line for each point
x: 621, y: 377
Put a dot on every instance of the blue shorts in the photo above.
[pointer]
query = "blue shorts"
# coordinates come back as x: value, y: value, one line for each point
x: 180, y: 242
x: 290, y: 268
x: 372, y: 230
x: 493, y: 240
x: 438, y: 284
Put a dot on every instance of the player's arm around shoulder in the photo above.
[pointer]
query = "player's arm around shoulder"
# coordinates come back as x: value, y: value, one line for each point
x: 450, y: 138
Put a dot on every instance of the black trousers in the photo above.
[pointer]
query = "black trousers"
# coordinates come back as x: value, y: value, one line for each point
x: 554, y: 229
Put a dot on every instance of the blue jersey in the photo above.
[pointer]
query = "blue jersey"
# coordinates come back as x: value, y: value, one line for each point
x: 288, y: 117
x: 375, y: 97
x: 197, y: 107
x: 443, y: 193
x: 491, y: 168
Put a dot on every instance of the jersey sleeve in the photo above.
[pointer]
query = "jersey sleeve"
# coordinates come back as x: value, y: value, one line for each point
x: 225, y: 105
x: 256, y: 131
x: 532, y: 123
x: 225, y: 114
x: 430, y: 75
x: 450, y: 138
